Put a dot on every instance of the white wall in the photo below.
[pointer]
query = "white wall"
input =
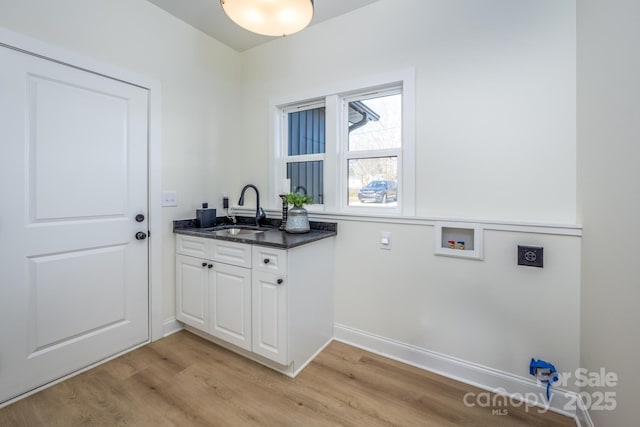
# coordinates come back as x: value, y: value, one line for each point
x: 609, y: 197
x: 495, y: 140
x: 495, y: 97
x: 491, y: 312
x: 495, y: 110
x: 200, y: 87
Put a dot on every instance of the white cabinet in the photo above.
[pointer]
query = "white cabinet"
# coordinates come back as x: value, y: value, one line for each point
x: 230, y: 304
x: 192, y: 291
x: 230, y: 252
x: 272, y: 305
x: 270, y: 296
x: 269, y: 260
x: 214, y: 296
x: 270, y: 315
x: 192, y: 246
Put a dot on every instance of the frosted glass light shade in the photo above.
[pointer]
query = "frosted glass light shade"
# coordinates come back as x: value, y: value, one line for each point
x: 270, y: 17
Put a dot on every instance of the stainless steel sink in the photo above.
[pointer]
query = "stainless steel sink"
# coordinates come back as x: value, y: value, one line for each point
x: 236, y: 230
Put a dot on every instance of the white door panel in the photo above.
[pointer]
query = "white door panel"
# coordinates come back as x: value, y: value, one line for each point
x: 73, y: 293
x: 73, y: 176
x: 60, y: 120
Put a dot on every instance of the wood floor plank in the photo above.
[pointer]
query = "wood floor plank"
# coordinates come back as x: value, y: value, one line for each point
x: 184, y: 380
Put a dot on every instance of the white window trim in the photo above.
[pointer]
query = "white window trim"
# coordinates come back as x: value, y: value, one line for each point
x: 283, y: 142
x: 347, y: 155
x: 333, y: 174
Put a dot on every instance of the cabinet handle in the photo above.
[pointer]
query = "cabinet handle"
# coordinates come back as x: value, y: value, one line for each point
x: 210, y: 265
x: 204, y: 264
x: 267, y: 260
x: 279, y: 281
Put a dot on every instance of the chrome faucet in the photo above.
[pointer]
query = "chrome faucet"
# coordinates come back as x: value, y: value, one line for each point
x: 259, y: 211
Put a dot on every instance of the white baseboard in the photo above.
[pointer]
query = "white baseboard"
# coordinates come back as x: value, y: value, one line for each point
x: 171, y: 326
x: 582, y: 416
x: 511, y: 386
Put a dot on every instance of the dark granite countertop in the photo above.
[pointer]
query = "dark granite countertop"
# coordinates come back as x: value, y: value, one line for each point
x: 272, y: 236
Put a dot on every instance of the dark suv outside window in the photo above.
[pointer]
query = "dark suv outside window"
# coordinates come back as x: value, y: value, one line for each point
x: 379, y: 192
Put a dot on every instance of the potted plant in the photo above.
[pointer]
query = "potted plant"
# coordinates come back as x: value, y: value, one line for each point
x: 297, y: 218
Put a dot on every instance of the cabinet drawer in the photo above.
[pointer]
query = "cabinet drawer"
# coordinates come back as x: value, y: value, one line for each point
x: 231, y: 253
x: 192, y: 246
x: 270, y: 260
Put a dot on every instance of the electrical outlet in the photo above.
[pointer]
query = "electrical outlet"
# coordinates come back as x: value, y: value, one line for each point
x: 530, y: 256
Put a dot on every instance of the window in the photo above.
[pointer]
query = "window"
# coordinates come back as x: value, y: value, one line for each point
x: 373, y: 148
x: 305, y: 153
x: 352, y: 151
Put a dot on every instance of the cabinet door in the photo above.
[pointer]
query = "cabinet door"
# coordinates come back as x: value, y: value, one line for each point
x: 270, y: 316
x: 230, y: 302
x: 192, y: 291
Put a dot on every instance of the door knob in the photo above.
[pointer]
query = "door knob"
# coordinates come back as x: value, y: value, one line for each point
x: 140, y: 235
x: 279, y: 281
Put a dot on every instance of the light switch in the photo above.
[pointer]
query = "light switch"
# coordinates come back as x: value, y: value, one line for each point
x: 385, y: 240
x: 169, y: 198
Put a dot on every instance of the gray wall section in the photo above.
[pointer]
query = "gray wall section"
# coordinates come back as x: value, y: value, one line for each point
x: 609, y: 198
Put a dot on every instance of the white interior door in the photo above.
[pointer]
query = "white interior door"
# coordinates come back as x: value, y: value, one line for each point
x: 73, y: 177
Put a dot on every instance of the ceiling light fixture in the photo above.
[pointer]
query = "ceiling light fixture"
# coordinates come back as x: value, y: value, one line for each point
x: 270, y: 17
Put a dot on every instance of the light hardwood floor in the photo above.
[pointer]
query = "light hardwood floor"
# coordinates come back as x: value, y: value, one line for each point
x: 184, y: 380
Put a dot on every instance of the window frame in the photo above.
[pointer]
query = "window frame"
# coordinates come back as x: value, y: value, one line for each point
x: 300, y: 158
x: 346, y: 154
x: 335, y: 181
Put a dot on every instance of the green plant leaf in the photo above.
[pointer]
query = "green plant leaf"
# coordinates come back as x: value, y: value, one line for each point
x: 298, y: 200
